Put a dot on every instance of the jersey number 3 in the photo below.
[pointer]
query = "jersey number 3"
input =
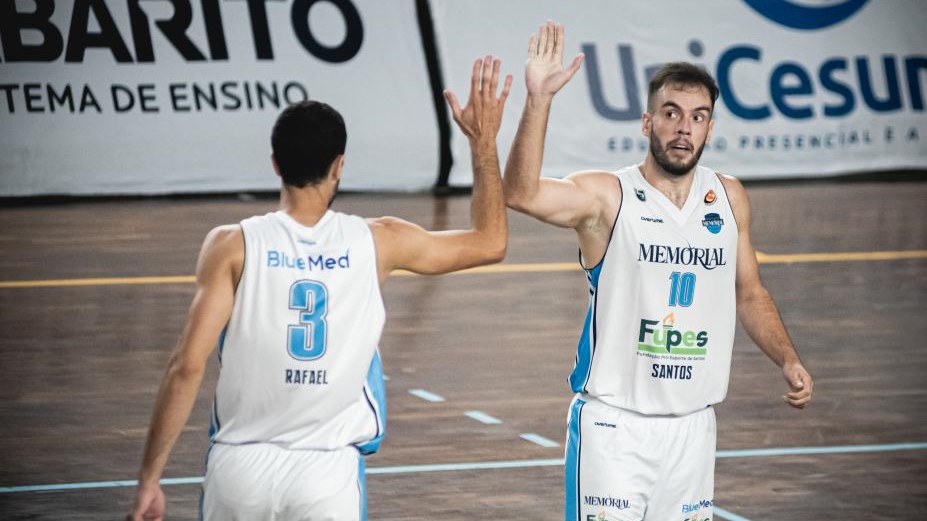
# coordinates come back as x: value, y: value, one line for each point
x: 306, y: 340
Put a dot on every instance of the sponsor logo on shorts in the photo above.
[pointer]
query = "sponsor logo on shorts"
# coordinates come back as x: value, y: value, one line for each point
x: 605, y: 424
x: 606, y: 503
x: 694, y: 508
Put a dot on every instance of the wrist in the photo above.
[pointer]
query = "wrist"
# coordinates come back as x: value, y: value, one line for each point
x: 539, y: 100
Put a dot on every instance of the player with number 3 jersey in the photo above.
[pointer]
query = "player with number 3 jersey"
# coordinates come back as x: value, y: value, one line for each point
x: 292, y: 299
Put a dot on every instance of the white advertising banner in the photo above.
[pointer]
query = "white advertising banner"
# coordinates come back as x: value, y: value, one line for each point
x: 167, y: 96
x: 808, y: 87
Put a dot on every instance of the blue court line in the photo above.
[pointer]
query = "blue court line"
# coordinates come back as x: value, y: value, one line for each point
x: 489, y: 465
x: 800, y: 451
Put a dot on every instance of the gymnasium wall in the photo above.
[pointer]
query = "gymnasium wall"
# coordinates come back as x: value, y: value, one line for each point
x: 178, y: 96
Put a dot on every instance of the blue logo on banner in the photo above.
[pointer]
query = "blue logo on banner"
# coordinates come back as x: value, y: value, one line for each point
x: 790, y: 14
x: 713, y: 222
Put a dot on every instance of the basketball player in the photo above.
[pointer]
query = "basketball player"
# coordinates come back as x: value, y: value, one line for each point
x: 293, y: 300
x: 667, y: 253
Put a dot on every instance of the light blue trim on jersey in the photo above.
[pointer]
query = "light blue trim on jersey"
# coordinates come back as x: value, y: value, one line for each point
x: 214, y: 417
x: 571, y: 463
x: 375, y: 394
x: 586, y: 348
x: 362, y: 485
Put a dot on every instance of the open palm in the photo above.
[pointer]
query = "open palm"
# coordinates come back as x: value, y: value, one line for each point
x: 544, y: 72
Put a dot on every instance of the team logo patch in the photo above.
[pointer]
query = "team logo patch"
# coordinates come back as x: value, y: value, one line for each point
x: 640, y: 194
x: 713, y: 222
x: 710, y: 197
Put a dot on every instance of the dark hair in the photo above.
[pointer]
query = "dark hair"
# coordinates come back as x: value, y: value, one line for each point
x: 306, y: 138
x: 682, y: 73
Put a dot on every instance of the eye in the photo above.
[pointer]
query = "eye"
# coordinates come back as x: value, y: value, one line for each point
x: 699, y: 118
x: 671, y: 114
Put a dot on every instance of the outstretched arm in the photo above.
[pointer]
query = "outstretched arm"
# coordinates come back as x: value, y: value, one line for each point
x: 217, y: 272
x: 561, y: 202
x: 404, y: 245
x: 756, y: 309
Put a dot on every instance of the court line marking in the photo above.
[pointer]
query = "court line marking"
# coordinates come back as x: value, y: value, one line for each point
x: 492, y: 465
x: 762, y: 258
x: 482, y: 417
x: 538, y: 439
x: 730, y: 516
x: 427, y: 396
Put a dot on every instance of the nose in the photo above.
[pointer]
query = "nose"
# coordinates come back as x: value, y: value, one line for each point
x: 684, y: 127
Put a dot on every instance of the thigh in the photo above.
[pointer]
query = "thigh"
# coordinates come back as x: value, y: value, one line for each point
x: 261, y: 482
x: 326, y: 486
x: 685, y: 488
x: 611, y: 465
x: 239, y: 483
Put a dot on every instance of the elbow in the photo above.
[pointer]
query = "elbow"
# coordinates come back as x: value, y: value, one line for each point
x: 185, y: 370
x: 496, y: 254
x: 515, y: 201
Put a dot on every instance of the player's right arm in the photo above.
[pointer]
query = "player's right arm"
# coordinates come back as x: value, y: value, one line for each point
x: 404, y: 245
x: 565, y: 202
x: 217, y: 272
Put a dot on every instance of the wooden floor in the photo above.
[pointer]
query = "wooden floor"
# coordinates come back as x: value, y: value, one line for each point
x: 81, y: 361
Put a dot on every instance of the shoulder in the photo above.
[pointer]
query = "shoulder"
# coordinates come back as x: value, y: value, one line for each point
x: 736, y: 195
x: 223, y: 245
x: 606, y: 186
x: 388, y: 229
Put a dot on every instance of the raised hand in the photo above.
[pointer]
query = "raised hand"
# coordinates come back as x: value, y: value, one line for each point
x: 544, y: 72
x: 481, y: 117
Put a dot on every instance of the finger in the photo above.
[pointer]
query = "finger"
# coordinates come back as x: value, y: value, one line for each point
x: 451, y: 99
x: 475, y: 77
x: 542, y: 40
x: 558, y: 41
x: 505, y: 89
x: 533, y: 46
x: 494, y: 82
x: 574, y: 65
x: 485, y: 78
x: 551, y: 37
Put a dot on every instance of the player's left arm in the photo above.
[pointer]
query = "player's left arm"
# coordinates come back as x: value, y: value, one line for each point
x: 217, y: 271
x: 755, y: 307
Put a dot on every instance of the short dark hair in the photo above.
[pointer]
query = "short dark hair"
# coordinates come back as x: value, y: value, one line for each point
x: 306, y: 138
x: 682, y: 73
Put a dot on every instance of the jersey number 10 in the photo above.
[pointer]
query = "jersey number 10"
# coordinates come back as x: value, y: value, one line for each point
x: 682, y: 289
x: 306, y: 340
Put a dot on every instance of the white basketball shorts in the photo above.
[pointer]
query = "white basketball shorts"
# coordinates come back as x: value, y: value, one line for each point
x: 263, y: 482
x: 625, y: 466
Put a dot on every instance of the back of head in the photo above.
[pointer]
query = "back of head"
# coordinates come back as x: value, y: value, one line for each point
x: 682, y: 74
x: 306, y: 138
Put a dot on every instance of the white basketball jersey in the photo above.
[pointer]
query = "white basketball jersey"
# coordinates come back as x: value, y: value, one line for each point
x: 299, y: 362
x: 660, y: 327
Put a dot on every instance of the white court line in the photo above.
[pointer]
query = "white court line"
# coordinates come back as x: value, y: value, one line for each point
x: 425, y: 395
x: 482, y: 417
x: 540, y: 440
x: 491, y: 465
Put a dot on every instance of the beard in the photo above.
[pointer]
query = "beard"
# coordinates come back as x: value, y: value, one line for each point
x: 678, y: 168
